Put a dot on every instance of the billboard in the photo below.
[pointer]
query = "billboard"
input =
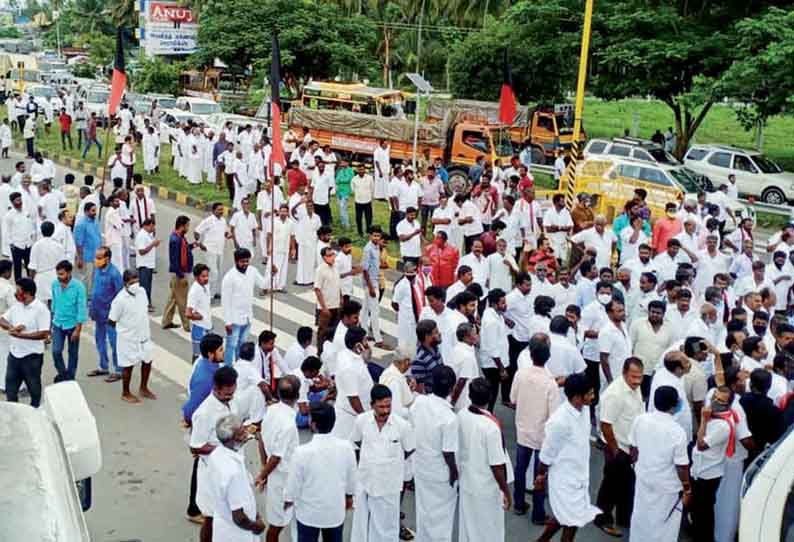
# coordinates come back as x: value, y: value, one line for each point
x: 167, y: 28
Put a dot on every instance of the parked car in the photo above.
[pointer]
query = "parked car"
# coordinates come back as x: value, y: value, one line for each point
x: 631, y: 147
x: 767, y: 513
x: 218, y: 120
x: 95, y: 99
x: 41, y: 93
x: 171, y: 118
x: 756, y: 175
x: 198, y: 106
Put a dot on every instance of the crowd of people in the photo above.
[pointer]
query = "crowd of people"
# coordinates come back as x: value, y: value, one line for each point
x: 666, y: 341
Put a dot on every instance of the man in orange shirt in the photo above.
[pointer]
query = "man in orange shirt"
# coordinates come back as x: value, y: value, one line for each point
x: 444, y: 260
x: 665, y: 229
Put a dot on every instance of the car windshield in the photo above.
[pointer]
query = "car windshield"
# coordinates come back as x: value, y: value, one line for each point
x: 663, y: 157
x: 166, y: 103
x: 97, y: 96
x: 204, y: 109
x: 504, y: 147
x: 45, y: 92
x: 687, y: 179
x: 766, y: 165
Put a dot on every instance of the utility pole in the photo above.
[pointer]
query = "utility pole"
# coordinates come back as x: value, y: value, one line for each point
x: 568, y: 181
x: 419, y: 37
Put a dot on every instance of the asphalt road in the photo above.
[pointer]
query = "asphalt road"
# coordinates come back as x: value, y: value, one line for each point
x: 141, y: 493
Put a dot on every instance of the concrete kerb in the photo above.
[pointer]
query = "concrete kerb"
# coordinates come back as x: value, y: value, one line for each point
x: 164, y: 193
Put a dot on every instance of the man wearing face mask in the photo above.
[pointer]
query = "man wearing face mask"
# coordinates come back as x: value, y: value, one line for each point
x: 594, y: 319
x: 106, y: 284
x: 666, y: 228
x: 129, y: 315
x: 353, y: 381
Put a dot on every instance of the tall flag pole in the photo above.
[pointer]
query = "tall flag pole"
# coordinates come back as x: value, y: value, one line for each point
x: 276, y: 155
x: 507, y: 99
x: 118, y: 85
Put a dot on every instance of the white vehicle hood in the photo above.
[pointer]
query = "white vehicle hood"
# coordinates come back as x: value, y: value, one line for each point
x: 39, y: 501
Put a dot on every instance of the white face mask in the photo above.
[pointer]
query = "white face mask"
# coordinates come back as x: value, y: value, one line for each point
x: 604, y: 298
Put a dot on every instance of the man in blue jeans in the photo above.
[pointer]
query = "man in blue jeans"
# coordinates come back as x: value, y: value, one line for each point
x: 237, y: 301
x: 107, y: 283
x: 68, y: 314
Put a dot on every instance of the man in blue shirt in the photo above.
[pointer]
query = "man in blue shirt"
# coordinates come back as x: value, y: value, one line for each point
x: 107, y: 283
x: 68, y: 315
x: 441, y: 171
x: 87, y: 239
x: 199, y: 389
x: 180, y: 263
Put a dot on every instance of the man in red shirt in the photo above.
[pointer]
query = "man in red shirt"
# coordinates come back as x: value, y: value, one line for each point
x: 665, y: 229
x: 295, y: 178
x: 526, y: 180
x: 444, y: 260
x: 65, y: 120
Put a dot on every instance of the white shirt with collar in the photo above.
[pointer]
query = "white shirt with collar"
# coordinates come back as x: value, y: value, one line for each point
x: 601, y: 242
x: 280, y: 438
x: 295, y: 355
x: 266, y: 363
x: 323, y: 472
x: 480, y: 269
x: 19, y: 228
x: 519, y: 310
x: 212, y: 232
x: 666, y: 266
x: 237, y: 294
x: 493, y: 339
x: 352, y: 380
x: 436, y: 429
x: 683, y: 416
x: 412, y: 248
x: 464, y: 363
x: 594, y: 317
x: 663, y: 447
x: 381, y: 466
x: 481, y: 448
x: 321, y: 184
x: 619, y: 407
x: 408, y: 195
x: 233, y: 490
x: 499, y: 273
x: 565, y: 358
x: 615, y: 342
x: 33, y: 317
x: 199, y: 300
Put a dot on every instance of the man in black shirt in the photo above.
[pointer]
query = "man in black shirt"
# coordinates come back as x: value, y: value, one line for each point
x: 763, y: 418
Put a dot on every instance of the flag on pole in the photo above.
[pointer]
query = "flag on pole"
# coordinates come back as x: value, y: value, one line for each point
x: 507, y: 99
x: 277, y: 154
x: 119, y: 82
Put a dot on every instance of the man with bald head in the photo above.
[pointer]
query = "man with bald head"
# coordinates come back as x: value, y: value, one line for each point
x: 600, y: 238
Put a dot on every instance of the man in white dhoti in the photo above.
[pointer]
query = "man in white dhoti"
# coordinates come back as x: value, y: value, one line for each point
x: 279, y: 249
x: 385, y: 442
x: 485, y: 469
x: 663, y: 489
x: 211, y: 235
x: 565, y: 462
x: 268, y: 201
x: 435, y: 469
x: 408, y: 300
x: 114, y: 231
x: 151, y: 151
x: 257, y: 166
x: 208, y: 143
x: 44, y: 256
x: 306, y: 237
x: 241, y: 179
x: 129, y: 315
x: 246, y: 142
x: 193, y: 166
x: 353, y: 381
x: 381, y: 161
x: 279, y: 441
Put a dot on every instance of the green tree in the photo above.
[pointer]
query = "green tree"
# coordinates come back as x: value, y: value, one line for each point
x: 122, y: 13
x: 539, y: 38
x: 156, y: 75
x: 101, y: 48
x: 317, y: 40
x: 763, y: 74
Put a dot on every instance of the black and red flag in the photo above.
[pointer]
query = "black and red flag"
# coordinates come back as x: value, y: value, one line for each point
x: 507, y: 99
x: 277, y: 154
x: 119, y: 82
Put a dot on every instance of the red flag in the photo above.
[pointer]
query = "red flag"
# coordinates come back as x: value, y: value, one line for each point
x: 277, y: 154
x: 119, y: 81
x: 507, y: 100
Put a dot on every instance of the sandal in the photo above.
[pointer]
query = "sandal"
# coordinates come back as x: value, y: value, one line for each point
x: 406, y: 533
x: 97, y: 372
x: 115, y: 377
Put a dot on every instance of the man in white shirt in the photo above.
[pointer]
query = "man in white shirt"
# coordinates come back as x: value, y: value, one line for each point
x: 7, y: 299
x: 409, y: 231
x: 243, y: 226
x: 494, y: 347
x: 28, y: 325
x: 45, y: 254
x: 268, y: 202
x: 18, y: 229
x: 236, y: 518
x: 675, y: 366
x: 211, y: 235
x: 237, y: 299
x: 666, y: 263
x: 621, y: 403
x: 50, y: 202
x: 558, y: 224
x: 381, y: 162
x: 484, y: 469
x: 301, y: 349
x: 322, y: 480
x: 321, y: 185
x: 614, y: 343
x: 279, y: 247
x: 353, y: 381
x: 385, y: 442
x: 363, y: 187
x: 146, y: 257
x: 279, y: 440
x: 502, y: 267
x: 435, y: 467
x: 129, y: 316
x: 564, y: 464
x: 464, y: 362
x: 113, y: 234
x: 519, y: 310
x: 141, y: 207
x: 661, y: 469
x: 478, y: 265
x: 600, y: 238
x: 198, y: 308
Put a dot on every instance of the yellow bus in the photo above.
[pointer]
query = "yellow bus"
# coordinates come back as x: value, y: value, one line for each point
x: 355, y: 97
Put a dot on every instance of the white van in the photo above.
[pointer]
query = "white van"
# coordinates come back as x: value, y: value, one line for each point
x: 198, y: 106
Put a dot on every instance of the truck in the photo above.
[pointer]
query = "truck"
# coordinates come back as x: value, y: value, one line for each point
x: 547, y: 128
x: 353, y: 118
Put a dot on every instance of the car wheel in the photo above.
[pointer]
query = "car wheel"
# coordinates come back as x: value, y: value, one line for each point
x: 773, y: 196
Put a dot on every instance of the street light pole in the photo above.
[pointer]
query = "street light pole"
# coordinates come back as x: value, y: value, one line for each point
x: 419, y: 37
x: 569, y: 179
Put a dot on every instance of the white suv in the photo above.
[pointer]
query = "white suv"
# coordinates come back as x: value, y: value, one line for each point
x: 756, y: 175
x: 631, y: 147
